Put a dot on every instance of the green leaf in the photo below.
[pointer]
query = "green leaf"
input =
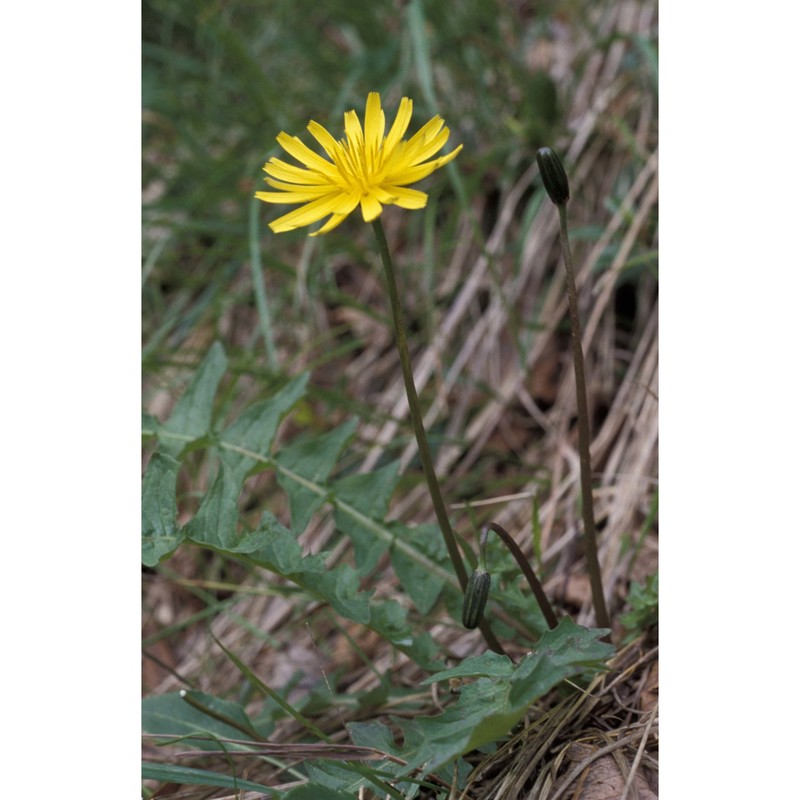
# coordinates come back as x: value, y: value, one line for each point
x: 423, y: 650
x: 254, y: 431
x: 169, y: 773
x: 568, y: 650
x: 191, y: 417
x: 341, y: 586
x: 311, y: 459
x: 171, y: 714
x: 368, y: 493
x: 360, y: 501
x: 389, y: 620
x: 281, y: 553
x: 216, y: 521
x: 160, y: 533
x: 486, y: 665
x: 480, y: 716
x: 376, y: 734
x: 150, y: 424
x: 373, y: 734
x: 643, y: 602
x: 488, y: 708
x: 244, y: 444
x: 517, y: 601
x: 347, y: 777
x: 422, y: 587
x: 351, y: 776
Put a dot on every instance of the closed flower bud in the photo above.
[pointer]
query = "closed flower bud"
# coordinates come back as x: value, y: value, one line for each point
x: 553, y: 175
x: 475, y: 598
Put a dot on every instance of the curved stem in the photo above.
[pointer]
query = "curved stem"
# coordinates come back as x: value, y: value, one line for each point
x: 589, y: 529
x: 527, y: 571
x: 419, y: 428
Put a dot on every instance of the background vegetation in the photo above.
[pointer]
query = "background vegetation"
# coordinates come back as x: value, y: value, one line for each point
x: 482, y: 281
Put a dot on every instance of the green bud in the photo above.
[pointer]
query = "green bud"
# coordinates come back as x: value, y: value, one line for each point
x: 475, y: 598
x: 553, y: 175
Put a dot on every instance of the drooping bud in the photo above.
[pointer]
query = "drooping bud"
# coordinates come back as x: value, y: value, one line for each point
x: 475, y: 597
x: 553, y: 175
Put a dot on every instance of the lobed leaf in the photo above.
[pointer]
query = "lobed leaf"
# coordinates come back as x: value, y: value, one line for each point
x: 489, y: 664
x: 281, y: 552
x: 350, y: 778
x: 489, y: 707
x: 303, y: 469
x: 420, y: 584
x: 247, y: 442
x: 216, y: 519
x: 369, y: 493
x: 191, y: 417
x: 160, y: 533
x: 312, y: 459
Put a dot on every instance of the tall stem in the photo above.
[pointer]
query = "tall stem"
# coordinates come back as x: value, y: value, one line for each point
x: 590, y: 531
x: 419, y: 428
x: 527, y: 571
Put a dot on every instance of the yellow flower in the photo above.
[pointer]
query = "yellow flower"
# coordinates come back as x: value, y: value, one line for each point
x: 366, y: 168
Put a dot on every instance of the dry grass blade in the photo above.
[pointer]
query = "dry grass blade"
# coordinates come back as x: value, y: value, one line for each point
x: 331, y: 752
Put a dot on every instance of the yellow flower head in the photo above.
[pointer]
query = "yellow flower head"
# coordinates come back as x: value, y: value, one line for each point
x: 366, y: 168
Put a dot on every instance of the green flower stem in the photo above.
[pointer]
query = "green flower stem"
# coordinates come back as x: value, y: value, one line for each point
x: 590, y: 531
x: 527, y: 571
x: 419, y: 428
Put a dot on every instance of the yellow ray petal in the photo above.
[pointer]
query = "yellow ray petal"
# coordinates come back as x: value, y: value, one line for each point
x: 329, y: 144
x: 288, y: 172
x: 415, y: 173
x: 305, y: 155
x: 353, y: 130
x: 399, y: 126
x: 374, y: 124
x: 286, y: 197
x: 306, y: 215
x: 370, y: 207
x: 334, y: 222
x: 310, y: 191
x: 408, y: 198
